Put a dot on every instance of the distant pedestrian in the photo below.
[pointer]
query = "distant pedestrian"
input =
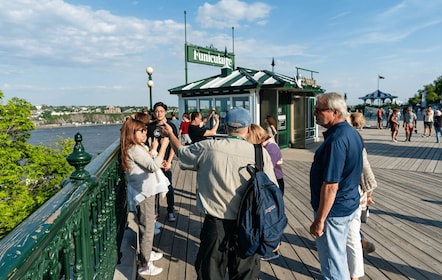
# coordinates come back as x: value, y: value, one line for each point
x: 334, y: 184
x: 175, y: 121
x: 437, y: 125
x: 184, y: 130
x: 394, y: 125
x: 410, y: 121
x: 379, y: 114
x: 428, y: 121
x: 270, y: 126
x: 390, y: 113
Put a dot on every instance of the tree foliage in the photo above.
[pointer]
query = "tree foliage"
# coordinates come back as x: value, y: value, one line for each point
x: 433, y: 93
x: 29, y: 175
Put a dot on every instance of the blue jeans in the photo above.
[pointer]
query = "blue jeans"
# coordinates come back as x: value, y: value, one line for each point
x: 438, y: 133
x: 332, y: 247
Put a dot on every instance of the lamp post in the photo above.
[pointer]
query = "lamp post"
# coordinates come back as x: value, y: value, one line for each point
x: 149, y: 71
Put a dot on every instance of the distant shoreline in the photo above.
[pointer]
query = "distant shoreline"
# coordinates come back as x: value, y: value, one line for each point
x: 71, y: 125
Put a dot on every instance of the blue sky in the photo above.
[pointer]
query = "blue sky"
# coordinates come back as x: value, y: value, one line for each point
x: 95, y: 52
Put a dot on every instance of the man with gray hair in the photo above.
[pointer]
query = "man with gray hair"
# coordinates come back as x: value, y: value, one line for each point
x: 334, y: 181
x: 222, y: 178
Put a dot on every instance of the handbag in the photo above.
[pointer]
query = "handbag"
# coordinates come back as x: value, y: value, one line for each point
x: 364, y: 215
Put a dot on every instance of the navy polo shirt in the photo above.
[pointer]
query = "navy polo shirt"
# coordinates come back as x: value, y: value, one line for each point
x: 338, y: 160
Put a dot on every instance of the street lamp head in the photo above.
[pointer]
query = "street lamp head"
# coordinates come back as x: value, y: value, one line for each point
x: 149, y: 70
x: 150, y: 83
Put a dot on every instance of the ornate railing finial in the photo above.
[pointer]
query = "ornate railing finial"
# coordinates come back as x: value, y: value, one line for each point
x: 79, y: 158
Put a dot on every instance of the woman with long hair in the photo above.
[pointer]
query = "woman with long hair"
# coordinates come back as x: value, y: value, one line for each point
x: 139, y: 162
x: 270, y: 126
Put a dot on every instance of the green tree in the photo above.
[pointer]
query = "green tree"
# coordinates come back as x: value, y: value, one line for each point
x: 29, y: 175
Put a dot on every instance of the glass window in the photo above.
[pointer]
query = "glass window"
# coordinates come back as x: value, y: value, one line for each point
x: 222, y: 105
x: 242, y: 101
x: 205, y: 107
x: 190, y: 105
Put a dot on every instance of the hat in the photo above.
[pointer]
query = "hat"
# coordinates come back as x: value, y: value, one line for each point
x: 238, y: 118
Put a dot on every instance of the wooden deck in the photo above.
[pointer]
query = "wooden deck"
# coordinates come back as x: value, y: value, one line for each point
x: 405, y: 223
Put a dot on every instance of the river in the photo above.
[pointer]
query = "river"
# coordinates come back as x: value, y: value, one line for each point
x: 95, y: 138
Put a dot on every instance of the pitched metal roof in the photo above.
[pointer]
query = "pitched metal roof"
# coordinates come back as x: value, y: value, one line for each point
x: 240, y: 80
x: 377, y: 94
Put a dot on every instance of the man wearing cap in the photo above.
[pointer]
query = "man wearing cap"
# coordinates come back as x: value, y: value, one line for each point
x: 222, y: 176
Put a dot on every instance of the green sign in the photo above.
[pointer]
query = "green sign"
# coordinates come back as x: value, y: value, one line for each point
x: 209, y: 56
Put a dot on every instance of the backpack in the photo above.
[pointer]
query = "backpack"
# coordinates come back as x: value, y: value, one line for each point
x: 261, y: 217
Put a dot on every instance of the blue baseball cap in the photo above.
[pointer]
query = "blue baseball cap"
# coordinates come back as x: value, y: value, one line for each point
x: 238, y: 117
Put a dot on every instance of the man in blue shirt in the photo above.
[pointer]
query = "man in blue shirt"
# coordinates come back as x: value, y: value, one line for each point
x: 334, y: 181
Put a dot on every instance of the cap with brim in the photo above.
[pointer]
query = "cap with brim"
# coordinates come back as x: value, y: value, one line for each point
x: 238, y: 118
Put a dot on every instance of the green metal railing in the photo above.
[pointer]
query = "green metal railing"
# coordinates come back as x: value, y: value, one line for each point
x: 77, y: 233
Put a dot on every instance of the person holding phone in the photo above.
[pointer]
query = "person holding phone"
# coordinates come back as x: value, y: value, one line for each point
x: 160, y: 112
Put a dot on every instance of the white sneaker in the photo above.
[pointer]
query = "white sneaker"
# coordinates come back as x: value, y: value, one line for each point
x: 158, y: 225
x: 155, y: 256
x: 150, y: 269
x: 172, y: 217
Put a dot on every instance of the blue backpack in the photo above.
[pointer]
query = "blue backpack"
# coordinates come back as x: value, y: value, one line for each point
x: 261, y: 217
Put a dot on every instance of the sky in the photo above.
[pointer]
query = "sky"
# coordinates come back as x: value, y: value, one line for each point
x: 95, y: 52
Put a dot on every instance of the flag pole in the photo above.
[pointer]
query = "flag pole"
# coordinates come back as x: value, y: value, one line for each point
x: 185, y: 47
x: 378, y: 83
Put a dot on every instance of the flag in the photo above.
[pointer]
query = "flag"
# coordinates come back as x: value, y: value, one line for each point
x: 381, y: 77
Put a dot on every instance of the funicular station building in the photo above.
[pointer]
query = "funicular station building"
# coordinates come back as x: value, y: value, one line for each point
x: 289, y: 100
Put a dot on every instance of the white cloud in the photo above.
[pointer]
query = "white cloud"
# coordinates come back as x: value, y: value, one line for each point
x: 228, y: 13
x: 57, y: 32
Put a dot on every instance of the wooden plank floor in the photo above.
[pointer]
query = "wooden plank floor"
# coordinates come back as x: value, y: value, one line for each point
x: 405, y: 223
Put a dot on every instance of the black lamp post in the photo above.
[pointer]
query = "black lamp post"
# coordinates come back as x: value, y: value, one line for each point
x: 149, y: 71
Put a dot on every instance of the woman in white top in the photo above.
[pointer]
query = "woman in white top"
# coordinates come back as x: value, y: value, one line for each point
x: 139, y: 162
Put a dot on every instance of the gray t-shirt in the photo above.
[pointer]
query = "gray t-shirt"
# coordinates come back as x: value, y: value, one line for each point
x: 410, y: 118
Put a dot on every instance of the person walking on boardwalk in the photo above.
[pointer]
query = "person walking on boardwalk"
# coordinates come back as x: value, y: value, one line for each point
x: 222, y: 177
x: 334, y: 184
x: 428, y: 121
x: 160, y: 112
x: 394, y: 125
x: 410, y: 122
x: 379, y: 114
x: 437, y: 125
x: 139, y: 165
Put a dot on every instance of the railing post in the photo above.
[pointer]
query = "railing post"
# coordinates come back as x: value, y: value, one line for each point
x: 79, y: 158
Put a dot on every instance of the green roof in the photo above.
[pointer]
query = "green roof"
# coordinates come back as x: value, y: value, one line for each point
x: 239, y: 80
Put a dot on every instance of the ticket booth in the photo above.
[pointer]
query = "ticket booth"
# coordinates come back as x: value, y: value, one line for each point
x: 289, y: 100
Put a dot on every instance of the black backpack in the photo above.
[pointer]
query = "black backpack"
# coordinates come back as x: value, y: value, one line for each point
x: 261, y: 217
